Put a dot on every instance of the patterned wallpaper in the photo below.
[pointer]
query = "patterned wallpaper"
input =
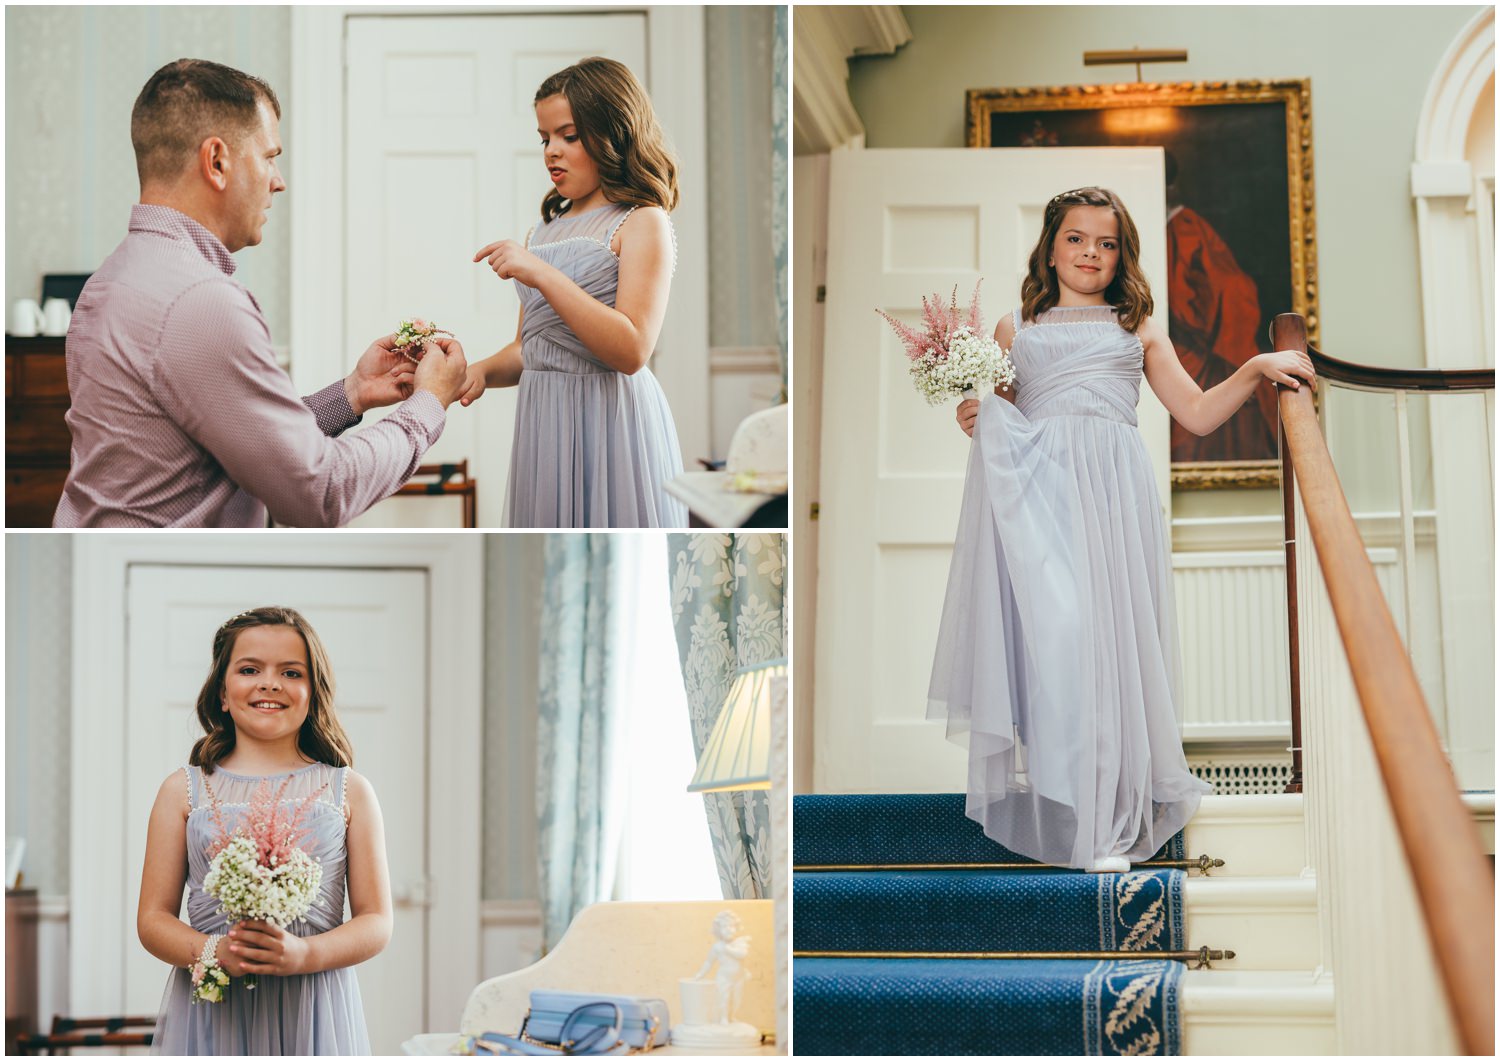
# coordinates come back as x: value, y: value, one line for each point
x: 741, y: 267
x: 38, y: 703
x: 72, y: 74
x: 71, y: 77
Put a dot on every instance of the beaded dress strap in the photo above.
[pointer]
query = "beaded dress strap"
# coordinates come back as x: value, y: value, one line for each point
x: 609, y: 240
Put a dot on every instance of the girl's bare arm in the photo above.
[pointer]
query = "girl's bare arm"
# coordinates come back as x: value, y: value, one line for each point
x: 622, y: 336
x: 367, y: 932
x: 163, y: 877
x: 500, y: 369
x: 1202, y: 411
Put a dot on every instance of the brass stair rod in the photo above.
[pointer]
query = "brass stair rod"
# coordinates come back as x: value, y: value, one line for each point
x: 1199, y: 958
x: 1202, y: 862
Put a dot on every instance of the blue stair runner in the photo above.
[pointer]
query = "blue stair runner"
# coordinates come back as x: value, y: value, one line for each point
x: 873, y: 1005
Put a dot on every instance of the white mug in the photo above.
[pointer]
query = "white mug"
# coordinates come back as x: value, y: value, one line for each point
x: 26, y: 317
x: 55, y: 316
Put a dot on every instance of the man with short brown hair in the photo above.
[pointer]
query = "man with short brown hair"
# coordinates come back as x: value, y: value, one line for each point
x: 180, y: 414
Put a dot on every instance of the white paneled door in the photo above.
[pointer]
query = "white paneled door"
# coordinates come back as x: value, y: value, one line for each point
x: 442, y: 158
x: 374, y: 625
x: 904, y: 223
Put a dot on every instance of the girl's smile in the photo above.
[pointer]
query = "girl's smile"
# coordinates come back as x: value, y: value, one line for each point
x: 1086, y: 254
x: 266, y: 689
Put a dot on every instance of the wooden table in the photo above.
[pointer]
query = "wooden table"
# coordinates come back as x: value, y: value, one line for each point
x: 37, y: 442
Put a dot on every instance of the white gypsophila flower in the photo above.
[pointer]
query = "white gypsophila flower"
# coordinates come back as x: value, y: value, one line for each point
x: 279, y: 894
x: 971, y: 362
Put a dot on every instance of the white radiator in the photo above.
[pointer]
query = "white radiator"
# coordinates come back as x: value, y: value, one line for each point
x: 1231, y: 622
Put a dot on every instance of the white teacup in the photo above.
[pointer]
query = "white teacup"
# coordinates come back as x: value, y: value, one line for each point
x: 56, y: 313
x: 26, y: 318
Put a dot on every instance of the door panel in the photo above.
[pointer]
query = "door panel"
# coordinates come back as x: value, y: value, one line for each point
x: 443, y: 158
x: 904, y: 223
x: 374, y: 625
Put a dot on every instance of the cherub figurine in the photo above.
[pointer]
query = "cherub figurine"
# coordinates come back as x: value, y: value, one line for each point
x: 730, y: 951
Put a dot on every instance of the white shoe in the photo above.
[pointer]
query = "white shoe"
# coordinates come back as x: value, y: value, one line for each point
x: 1110, y: 864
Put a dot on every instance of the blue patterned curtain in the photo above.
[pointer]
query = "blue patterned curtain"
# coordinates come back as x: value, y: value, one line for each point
x: 728, y: 592
x: 778, y: 181
x: 578, y: 827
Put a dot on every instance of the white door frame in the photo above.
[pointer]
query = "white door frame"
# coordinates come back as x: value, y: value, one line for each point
x: 314, y: 114
x: 101, y: 566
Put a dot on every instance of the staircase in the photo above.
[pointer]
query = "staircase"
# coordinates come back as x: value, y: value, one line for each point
x: 1269, y: 998
x: 1081, y: 989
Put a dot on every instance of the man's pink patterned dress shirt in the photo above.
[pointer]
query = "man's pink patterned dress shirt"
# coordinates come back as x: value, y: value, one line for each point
x: 181, y: 416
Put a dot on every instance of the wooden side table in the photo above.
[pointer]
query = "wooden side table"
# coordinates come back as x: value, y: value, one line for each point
x: 37, y: 442
x: 20, y: 965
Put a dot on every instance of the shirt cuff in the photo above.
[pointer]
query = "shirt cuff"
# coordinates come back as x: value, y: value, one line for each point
x: 425, y: 409
x: 331, y: 408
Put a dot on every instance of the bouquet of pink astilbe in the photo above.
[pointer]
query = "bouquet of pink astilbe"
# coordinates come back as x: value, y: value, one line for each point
x: 260, y: 871
x: 950, y: 355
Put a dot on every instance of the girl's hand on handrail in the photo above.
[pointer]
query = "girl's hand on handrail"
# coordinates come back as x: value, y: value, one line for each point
x: 1284, y: 366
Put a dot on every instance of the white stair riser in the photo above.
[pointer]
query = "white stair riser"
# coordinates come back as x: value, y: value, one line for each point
x: 1270, y: 924
x: 1256, y: 836
x: 1264, y: 1036
x: 1257, y: 1014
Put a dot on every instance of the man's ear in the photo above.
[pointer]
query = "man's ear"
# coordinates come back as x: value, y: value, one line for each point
x: 213, y: 162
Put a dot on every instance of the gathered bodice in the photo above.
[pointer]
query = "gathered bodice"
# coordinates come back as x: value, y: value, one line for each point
x: 1077, y: 361
x: 324, y: 823
x: 579, y: 247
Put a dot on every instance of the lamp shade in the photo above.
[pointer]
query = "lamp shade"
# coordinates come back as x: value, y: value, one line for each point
x: 738, y: 752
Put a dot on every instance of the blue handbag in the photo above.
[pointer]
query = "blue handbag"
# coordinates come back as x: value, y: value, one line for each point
x: 568, y: 1022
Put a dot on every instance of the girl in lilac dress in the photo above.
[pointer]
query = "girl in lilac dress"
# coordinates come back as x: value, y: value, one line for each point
x: 1057, y: 655
x: 267, y: 711
x: 595, y: 443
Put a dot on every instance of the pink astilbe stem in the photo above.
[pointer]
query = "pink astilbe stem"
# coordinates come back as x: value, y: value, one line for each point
x: 939, y: 322
x: 973, y: 321
x: 275, y: 835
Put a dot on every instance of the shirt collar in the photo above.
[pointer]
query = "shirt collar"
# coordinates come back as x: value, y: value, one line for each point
x: 165, y: 221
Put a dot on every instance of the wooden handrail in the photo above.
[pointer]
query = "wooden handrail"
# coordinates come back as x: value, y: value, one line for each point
x: 1371, y: 377
x: 1454, y: 880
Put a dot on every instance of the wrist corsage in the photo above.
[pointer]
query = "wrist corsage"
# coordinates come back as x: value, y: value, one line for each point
x: 412, y: 335
x: 209, y: 980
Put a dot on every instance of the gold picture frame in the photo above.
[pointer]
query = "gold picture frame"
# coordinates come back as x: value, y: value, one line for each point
x: 1233, y: 135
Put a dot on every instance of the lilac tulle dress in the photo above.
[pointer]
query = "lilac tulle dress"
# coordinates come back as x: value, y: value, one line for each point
x: 1057, y: 656
x: 318, y: 1013
x: 593, y: 446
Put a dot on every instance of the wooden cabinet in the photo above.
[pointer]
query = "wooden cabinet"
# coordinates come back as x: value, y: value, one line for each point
x: 20, y: 965
x: 37, y: 441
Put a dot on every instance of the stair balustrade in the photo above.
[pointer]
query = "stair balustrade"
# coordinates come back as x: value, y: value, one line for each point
x: 1394, y: 848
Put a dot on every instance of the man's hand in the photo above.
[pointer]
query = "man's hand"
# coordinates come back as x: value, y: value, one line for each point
x: 443, y: 370
x: 382, y: 377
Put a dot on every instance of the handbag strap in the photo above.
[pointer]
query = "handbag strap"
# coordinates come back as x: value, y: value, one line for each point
x: 578, y: 1038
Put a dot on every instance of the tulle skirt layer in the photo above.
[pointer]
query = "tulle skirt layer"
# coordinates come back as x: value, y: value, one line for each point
x: 1057, y: 654
x: 593, y: 449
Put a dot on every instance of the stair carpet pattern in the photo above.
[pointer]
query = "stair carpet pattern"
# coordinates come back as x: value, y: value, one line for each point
x: 887, y: 1005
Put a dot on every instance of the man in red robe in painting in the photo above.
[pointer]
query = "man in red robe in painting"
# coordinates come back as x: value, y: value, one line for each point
x: 1214, y: 322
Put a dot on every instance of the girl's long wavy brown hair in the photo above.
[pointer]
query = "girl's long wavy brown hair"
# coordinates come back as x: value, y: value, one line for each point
x: 620, y: 132
x: 322, y: 738
x: 1128, y: 292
